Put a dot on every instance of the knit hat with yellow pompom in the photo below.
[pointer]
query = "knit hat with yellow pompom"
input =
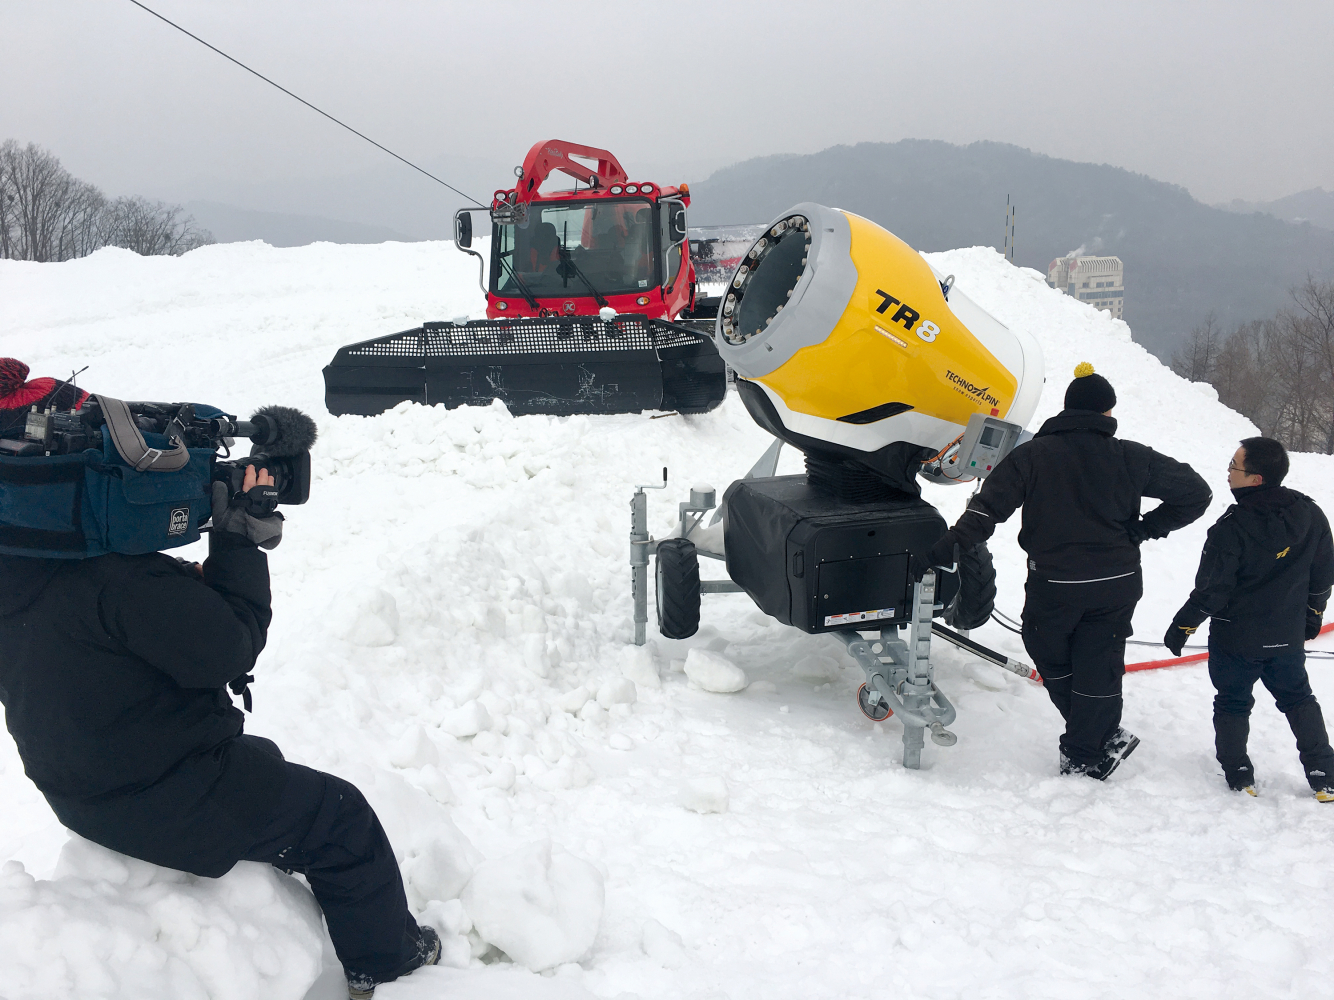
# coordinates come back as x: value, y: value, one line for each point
x: 1089, y: 391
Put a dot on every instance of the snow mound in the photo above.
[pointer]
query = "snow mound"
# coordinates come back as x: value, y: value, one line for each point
x: 714, y: 672
x: 490, y: 717
x: 111, y: 926
x: 540, y: 906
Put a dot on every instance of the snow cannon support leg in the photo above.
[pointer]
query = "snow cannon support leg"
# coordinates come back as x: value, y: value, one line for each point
x: 640, y: 541
x: 899, y: 676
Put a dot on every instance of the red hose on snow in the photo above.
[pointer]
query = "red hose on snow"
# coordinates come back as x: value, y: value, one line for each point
x: 1182, y: 660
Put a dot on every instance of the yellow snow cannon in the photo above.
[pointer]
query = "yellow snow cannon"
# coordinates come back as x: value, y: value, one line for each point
x: 848, y: 345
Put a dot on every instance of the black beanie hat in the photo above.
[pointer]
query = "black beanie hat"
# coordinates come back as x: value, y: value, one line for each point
x: 1089, y: 391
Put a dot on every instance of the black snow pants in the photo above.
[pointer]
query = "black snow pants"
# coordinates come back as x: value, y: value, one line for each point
x: 1285, y: 676
x: 324, y: 828
x: 1076, y: 635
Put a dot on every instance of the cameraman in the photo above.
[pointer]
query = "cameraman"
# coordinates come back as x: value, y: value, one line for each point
x: 113, y: 672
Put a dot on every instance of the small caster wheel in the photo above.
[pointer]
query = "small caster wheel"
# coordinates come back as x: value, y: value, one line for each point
x: 878, y: 712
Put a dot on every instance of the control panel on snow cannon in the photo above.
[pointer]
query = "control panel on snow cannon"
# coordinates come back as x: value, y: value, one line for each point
x: 849, y: 346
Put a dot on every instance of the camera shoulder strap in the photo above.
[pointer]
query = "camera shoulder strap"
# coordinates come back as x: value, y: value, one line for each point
x: 130, y: 442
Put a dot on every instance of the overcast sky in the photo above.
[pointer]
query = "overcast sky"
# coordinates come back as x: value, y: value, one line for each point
x: 1229, y: 99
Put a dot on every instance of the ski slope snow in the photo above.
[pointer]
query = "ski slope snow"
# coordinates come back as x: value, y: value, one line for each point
x: 452, y: 626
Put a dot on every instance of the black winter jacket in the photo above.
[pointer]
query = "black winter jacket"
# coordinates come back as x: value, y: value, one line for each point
x: 113, y: 674
x: 1080, y: 488
x: 1266, y: 561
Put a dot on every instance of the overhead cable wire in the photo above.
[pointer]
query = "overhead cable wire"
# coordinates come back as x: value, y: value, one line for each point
x: 312, y: 107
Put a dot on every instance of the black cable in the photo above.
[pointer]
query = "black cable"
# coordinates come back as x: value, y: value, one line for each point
x: 306, y: 103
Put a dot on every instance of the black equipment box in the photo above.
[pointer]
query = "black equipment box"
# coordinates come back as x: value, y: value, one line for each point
x: 823, y: 564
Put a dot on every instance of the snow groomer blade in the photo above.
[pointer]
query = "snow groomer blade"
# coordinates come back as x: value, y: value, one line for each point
x: 558, y: 365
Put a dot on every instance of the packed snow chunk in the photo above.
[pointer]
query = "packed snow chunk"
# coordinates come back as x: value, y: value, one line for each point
x: 572, y: 701
x: 436, y: 857
x: 663, y: 945
x: 816, y: 669
x: 638, y: 664
x: 467, y: 720
x: 437, y: 869
x: 704, y: 795
x: 618, y: 691
x: 111, y: 926
x: 714, y: 672
x: 366, y: 617
x: 450, y: 919
x: 414, y: 749
x: 540, y: 906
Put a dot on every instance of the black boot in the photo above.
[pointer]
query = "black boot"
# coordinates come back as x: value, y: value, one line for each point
x: 1308, y: 725
x: 1230, y: 735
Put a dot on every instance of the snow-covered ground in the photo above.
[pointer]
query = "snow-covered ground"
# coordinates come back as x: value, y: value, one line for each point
x: 452, y: 632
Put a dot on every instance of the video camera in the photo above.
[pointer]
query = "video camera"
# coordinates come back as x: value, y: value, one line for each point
x: 135, y: 477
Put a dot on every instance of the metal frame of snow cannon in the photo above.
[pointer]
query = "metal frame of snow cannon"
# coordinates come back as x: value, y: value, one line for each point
x: 702, y: 500
x: 900, y: 677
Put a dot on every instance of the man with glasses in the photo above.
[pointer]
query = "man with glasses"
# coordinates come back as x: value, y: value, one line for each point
x: 1264, y: 580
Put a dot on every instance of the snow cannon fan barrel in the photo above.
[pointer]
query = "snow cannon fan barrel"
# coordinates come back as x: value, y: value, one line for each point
x: 849, y: 346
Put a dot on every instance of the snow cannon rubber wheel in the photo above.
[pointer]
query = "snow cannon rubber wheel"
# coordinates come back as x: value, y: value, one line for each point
x: 878, y: 712
x: 677, y: 579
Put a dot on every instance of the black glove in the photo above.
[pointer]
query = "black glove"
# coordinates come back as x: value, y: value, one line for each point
x: 252, y: 515
x: 1314, y: 620
x: 1136, y: 530
x: 1140, y: 530
x: 942, y: 553
x: 1175, y: 639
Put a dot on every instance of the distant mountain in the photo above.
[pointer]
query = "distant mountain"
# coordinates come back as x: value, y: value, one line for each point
x: 1315, y: 206
x: 230, y: 224
x: 1182, y: 258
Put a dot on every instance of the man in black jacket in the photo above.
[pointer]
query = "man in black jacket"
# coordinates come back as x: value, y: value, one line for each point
x: 1264, y: 580
x: 1080, y: 488
x: 113, y: 673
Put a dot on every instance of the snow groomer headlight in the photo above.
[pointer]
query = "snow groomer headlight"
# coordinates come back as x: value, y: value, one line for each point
x: 849, y: 345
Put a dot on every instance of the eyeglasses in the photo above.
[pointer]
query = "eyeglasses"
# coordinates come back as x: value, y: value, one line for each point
x: 1234, y: 467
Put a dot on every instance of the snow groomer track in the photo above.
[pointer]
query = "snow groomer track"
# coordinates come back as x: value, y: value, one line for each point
x: 452, y: 632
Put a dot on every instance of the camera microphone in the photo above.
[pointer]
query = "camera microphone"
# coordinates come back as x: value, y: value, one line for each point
x: 278, y: 431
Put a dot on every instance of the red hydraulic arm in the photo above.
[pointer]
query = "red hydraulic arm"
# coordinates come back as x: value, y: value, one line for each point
x: 554, y: 154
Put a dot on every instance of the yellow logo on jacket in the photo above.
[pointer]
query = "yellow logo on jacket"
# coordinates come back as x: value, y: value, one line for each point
x: 1284, y: 552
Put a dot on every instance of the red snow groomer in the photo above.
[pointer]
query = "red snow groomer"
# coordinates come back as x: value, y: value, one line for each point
x: 590, y: 304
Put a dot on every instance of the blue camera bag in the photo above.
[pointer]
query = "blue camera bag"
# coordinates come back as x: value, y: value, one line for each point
x: 94, y: 502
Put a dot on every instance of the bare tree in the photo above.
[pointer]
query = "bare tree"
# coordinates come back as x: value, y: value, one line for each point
x: 151, y: 228
x: 1196, y: 361
x: 1279, y: 372
x: 47, y: 214
x: 1313, y: 321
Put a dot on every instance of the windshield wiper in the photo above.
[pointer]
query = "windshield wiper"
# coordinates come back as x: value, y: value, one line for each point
x: 522, y: 287
x: 566, y: 258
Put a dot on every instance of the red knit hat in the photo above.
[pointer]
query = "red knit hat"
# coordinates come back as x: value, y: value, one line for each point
x: 13, y: 373
x: 18, y: 394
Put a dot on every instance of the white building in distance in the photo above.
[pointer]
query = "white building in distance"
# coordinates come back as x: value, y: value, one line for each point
x: 1099, y: 281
